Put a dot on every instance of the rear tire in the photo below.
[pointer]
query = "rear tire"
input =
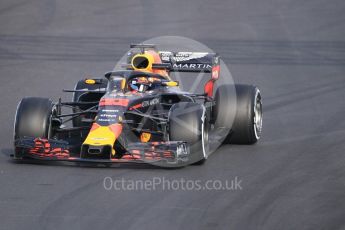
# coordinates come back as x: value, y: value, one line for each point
x: 244, y: 123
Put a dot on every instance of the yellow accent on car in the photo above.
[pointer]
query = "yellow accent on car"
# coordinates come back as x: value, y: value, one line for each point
x: 142, y: 62
x: 171, y: 83
x: 90, y: 81
x: 123, y: 83
x: 145, y: 137
x: 100, y: 136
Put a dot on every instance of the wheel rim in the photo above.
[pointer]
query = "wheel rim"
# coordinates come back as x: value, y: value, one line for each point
x: 204, y: 134
x: 257, y: 115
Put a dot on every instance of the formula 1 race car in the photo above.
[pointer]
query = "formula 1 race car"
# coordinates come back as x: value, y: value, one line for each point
x: 139, y: 114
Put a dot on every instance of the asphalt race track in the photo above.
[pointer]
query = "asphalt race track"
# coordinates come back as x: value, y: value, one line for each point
x: 292, y: 179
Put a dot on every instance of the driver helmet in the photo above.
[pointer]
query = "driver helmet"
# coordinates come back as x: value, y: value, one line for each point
x: 139, y: 84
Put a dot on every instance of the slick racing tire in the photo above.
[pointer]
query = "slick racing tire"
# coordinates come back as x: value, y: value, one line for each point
x: 85, y: 97
x: 188, y: 122
x: 33, y: 118
x: 242, y: 118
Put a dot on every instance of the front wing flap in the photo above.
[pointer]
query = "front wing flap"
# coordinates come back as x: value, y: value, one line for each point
x: 42, y: 148
x: 58, y: 150
x: 171, y: 151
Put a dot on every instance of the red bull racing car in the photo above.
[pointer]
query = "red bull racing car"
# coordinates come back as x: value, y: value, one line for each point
x: 140, y: 114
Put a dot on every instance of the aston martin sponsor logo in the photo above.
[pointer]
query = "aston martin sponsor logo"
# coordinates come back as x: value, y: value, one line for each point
x: 192, y: 66
x: 154, y: 101
x: 186, y: 56
x: 165, y: 55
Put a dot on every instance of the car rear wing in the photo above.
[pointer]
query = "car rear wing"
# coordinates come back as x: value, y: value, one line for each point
x: 178, y: 61
x: 194, y: 62
x: 190, y: 61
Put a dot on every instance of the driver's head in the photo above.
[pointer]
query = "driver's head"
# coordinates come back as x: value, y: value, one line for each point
x: 139, y: 84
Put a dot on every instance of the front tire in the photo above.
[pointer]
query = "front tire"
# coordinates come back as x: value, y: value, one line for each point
x: 188, y: 122
x: 33, y: 119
